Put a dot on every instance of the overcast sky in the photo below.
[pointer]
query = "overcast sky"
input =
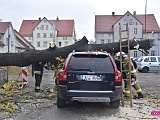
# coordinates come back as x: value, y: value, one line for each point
x: 82, y: 11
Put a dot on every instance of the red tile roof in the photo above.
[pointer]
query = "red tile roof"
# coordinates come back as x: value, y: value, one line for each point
x: 4, y: 26
x: 151, y: 23
x: 104, y: 23
x: 64, y: 27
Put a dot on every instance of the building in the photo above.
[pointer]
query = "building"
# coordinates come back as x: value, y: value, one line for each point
x: 7, y: 38
x: 42, y: 31
x: 140, y: 27
x: 11, y: 41
x: 21, y: 43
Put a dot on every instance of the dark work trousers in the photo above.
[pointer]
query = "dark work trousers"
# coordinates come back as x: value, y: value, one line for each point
x: 38, y: 78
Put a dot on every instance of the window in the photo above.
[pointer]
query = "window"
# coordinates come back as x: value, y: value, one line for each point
x: 38, y: 35
x: 146, y: 59
x: 131, y: 22
x: 64, y: 38
x: 124, y: 21
x: 102, y: 35
x: 37, y: 28
x: 60, y: 44
x: 135, y: 30
x: 135, y: 53
x: 38, y: 44
x: 66, y: 43
x: 152, y: 59
x: 12, y: 43
x: 46, y: 27
x: 45, y: 44
x: 109, y: 40
x: 51, y: 35
x: 152, y: 53
x: 102, y: 41
x: 44, y: 35
x: 158, y: 59
x: 42, y: 27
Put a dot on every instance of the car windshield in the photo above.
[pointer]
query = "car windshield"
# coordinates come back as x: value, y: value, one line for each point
x: 92, y: 63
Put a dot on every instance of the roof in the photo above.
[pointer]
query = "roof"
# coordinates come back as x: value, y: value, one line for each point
x: 104, y: 23
x: 64, y: 27
x: 4, y: 26
x: 21, y: 42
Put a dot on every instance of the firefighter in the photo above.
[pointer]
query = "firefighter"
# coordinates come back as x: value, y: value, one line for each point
x: 133, y: 76
x: 38, y: 72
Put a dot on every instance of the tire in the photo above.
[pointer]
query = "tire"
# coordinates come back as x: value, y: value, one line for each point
x: 61, y: 103
x: 145, y: 70
x: 115, y: 104
x: 139, y: 70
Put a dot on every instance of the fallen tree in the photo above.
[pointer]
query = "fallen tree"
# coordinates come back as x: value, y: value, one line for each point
x: 32, y: 56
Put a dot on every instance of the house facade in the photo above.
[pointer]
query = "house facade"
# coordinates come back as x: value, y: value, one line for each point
x: 140, y: 27
x: 42, y: 31
x: 11, y: 41
x: 7, y: 38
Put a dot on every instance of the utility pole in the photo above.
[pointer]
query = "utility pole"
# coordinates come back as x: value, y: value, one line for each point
x: 8, y: 50
x: 145, y: 15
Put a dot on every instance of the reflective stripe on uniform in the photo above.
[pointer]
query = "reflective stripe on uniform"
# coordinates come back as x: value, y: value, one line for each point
x: 37, y: 72
x: 37, y: 87
x: 127, y: 91
x: 139, y: 90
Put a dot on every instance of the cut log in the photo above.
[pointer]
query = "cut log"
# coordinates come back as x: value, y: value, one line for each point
x: 32, y: 56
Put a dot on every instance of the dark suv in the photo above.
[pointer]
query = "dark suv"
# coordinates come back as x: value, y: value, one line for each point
x: 89, y: 77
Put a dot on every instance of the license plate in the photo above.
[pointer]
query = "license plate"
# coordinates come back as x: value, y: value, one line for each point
x: 91, y: 77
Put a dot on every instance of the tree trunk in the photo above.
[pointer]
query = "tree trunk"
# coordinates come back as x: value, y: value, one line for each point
x: 32, y: 56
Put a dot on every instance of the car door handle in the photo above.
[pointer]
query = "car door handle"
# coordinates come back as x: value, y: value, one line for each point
x: 149, y: 63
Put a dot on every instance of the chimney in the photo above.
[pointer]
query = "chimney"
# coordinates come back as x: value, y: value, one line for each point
x: 57, y: 18
x: 113, y: 13
x: 134, y: 13
x: 39, y: 18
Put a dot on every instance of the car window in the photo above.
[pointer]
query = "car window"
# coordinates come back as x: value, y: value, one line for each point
x: 158, y: 59
x: 93, y: 63
x: 146, y: 60
x: 139, y: 59
x: 152, y: 59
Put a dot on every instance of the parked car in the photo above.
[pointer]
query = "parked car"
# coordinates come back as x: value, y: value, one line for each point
x: 148, y: 63
x: 89, y: 77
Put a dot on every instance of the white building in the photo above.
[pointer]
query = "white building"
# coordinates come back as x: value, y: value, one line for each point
x: 7, y: 38
x: 11, y: 41
x: 41, y: 32
x: 140, y: 27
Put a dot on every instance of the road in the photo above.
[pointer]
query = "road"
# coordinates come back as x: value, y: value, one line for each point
x: 39, y: 107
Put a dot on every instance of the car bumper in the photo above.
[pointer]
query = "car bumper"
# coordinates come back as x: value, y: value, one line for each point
x: 89, y: 96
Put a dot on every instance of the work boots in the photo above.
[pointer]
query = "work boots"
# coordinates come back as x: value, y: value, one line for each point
x: 140, y: 95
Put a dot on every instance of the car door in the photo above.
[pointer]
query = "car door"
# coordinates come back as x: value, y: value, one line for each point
x: 158, y: 63
x: 153, y: 63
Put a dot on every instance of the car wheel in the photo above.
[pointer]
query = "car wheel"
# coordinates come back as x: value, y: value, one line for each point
x: 139, y: 70
x: 61, y: 103
x: 115, y: 104
x: 145, y: 69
